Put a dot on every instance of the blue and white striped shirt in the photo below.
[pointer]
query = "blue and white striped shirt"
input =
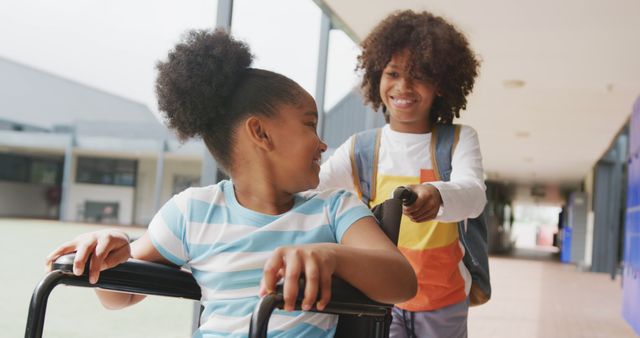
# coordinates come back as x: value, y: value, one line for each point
x: 226, y: 246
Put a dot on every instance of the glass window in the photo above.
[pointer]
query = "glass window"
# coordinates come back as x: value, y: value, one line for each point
x: 106, y: 171
x: 283, y: 36
x: 20, y: 168
x: 101, y: 212
x: 341, y: 65
x: 47, y: 172
x: 14, y: 168
x: 182, y: 182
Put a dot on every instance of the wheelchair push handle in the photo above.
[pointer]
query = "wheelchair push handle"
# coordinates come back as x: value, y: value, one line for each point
x: 406, y: 195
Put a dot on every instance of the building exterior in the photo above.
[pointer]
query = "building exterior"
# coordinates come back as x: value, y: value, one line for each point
x: 75, y: 153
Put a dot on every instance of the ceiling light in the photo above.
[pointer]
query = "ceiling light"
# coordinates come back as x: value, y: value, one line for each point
x: 513, y: 83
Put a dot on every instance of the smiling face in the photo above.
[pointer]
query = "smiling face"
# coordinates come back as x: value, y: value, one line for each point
x: 408, y: 98
x: 297, y: 146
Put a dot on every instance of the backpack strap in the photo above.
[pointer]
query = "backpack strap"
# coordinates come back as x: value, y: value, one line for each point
x: 365, y: 147
x: 444, y: 139
x: 474, y: 238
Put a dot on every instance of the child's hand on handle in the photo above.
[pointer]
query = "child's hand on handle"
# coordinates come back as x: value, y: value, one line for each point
x: 107, y: 248
x: 427, y: 204
x: 316, y: 262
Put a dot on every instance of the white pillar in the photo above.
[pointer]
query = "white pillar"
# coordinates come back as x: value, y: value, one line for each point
x: 321, y: 74
x: 66, y: 178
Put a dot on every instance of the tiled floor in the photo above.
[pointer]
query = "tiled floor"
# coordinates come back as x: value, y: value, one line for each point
x: 535, y: 296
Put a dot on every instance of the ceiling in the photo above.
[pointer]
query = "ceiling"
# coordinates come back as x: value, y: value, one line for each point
x: 579, y: 62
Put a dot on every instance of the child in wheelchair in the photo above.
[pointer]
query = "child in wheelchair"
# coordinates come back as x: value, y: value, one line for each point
x: 240, y: 237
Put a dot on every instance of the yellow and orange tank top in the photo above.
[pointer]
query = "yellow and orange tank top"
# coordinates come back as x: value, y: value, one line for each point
x: 431, y: 247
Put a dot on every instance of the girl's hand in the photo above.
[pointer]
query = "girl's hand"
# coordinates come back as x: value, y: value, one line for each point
x: 316, y: 261
x: 107, y: 248
x: 427, y: 204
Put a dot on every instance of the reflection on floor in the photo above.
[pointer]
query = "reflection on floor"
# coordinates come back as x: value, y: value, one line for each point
x: 534, y: 295
x: 540, y: 253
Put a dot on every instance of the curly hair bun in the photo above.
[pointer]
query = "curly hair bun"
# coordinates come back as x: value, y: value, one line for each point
x: 198, y: 79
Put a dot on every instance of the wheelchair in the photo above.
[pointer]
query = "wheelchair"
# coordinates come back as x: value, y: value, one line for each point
x: 359, y: 316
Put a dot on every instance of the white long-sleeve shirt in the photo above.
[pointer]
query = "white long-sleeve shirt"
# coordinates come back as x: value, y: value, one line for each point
x: 404, y: 155
x: 432, y: 247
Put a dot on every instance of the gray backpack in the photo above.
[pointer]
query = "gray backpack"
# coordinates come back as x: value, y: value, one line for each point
x: 472, y: 231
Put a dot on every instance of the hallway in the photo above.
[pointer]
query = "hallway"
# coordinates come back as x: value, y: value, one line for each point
x: 536, y: 296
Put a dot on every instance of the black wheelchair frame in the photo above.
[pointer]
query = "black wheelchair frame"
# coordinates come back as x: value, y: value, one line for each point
x: 359, y: 316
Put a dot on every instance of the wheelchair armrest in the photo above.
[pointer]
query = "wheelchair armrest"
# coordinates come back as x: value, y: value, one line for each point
x: 136, y: 276
x: 132, y: 276
x: 345, y: 300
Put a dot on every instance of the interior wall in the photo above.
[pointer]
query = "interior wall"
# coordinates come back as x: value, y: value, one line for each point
x: 588, y: 190
x: 552, y: 195
x: 536, y: 212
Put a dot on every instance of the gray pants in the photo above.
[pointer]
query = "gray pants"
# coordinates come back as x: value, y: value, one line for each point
x: 448, y: 322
